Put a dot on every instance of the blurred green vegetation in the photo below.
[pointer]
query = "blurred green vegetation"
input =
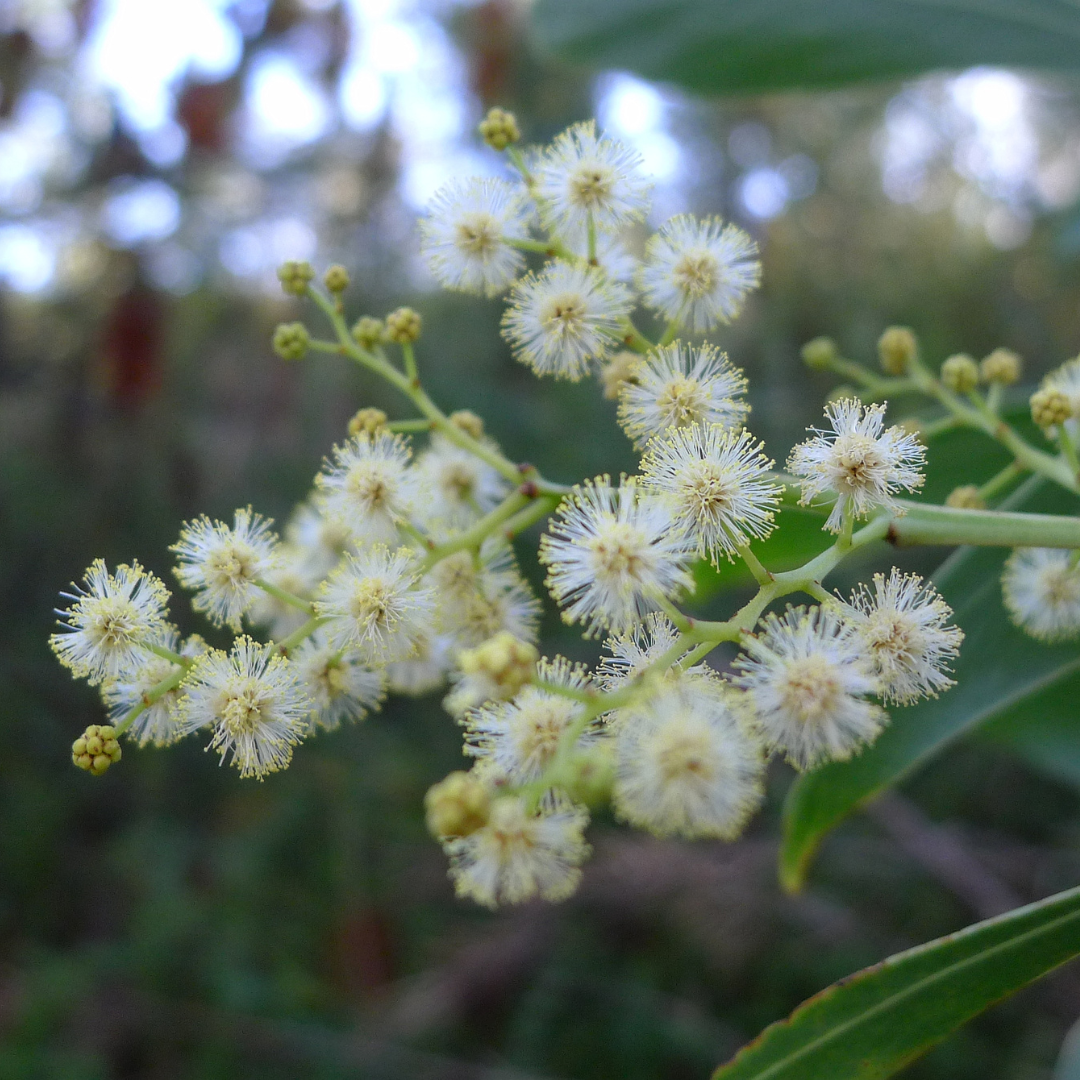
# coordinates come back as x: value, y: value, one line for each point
x: 168, y: 920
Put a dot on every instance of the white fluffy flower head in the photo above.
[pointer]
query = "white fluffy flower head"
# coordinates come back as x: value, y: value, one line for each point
x: 341, y: 687
x: 584, y: 176
x: 519, y: 738
x: 223, y: 564
x: 678, y: 385
x: 863, y: 463
x: 518, y: 855
x: 611, y: 554
x: 688, y: 763
x: 903, y: 626
x: 375, y: 605
x: 454, y: 487
x: 111, y: 620
x: 253, y: 700
x: 369, y: 487
x: 563, y: 318
x: 465, y: 236
x: 699, y: 272
x: 1041, y: 588
x: 807, y: 675
x: 630, y: 653
x: 715, y: 481
x: 158, y: 723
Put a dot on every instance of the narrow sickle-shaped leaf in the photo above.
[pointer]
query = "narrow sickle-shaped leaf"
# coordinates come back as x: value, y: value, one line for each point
x: 873, y: 1023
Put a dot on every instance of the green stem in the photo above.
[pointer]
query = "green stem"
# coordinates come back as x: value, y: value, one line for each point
x: 671, y: 332
x: 633, y: 338
x: 542, y: 507
x: 152, y: 696
x: 286, y: 645
x: 167, y: 654
x: 410, y: 529
x: 409, y: 353
x: 1001, y: 480
x: 591, y: 240
x: 553, y: 249
x: 517, y: 159
x: 1068, y: 449
x: 475, y: 536
x: 878, y: 387
x: 761, y: 575
x: 285, y: 596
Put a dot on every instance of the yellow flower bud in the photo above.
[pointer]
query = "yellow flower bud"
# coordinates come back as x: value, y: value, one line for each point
x: 499, y: 129
x: 897, y: 348
x: 468, y: 422
x: 966, y: 497
x: 369, y: 422
x: 509, y: 664
x: 960, y: 373
x: 1050, y: 407
x: 96, y: 749
x: 1001, y: 366
x: 618, y: 371
x: 291, y: 341
x: 295, y: 277
x: 819, y: 353
x: 336, y: 278
x: 457, y: 805
x: 402, y: 326
x: 368, y: 332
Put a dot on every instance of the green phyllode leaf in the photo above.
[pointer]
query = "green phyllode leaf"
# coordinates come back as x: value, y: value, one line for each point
x: 737, y: 46
x: 1001, y: 671
x: 873, y: 1023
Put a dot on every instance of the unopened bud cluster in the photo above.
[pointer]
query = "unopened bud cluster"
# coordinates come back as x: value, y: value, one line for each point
x: 897, y: 350
x: 499, y: 129
x: 295, y: 277
x: 402, y: 326
x: 96, y: 749
x: 291, y: 341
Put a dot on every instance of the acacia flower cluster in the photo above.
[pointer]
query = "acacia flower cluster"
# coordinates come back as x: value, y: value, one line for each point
x: 399, y: 574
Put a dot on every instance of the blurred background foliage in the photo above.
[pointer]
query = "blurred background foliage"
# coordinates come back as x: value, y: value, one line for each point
x: 157, y: 161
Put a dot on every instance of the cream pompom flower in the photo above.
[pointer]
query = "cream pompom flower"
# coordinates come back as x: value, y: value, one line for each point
x: 1041, y: 589
x: 369, y: 488
x: 903, y: 626
x: 688, y: 763
x: 341, y: 687
x: 157, y: 724
x: 319, y: 540
x: 519, y: 738
x: 253, y: 700
x: 678, y: 385
x: 466, y: 237
x: 223, y: 564
x: 518, y: 855
x: 373, y: 603
x: 716, y: 484
x: 860, y: 460
x: 453, y: 486
x: 113, y: 618
x: 426, y: 670
x: 630, y: 653
x: 698, y: 273
x: 808, y: 676
x: 479, y: 597
x: 612, y: 554
x: 584, y: 177
x: 565, y: 317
